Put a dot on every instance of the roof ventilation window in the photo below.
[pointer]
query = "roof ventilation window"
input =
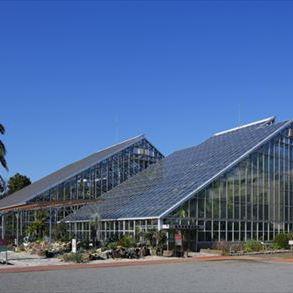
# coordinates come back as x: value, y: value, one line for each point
x: 143, y: 151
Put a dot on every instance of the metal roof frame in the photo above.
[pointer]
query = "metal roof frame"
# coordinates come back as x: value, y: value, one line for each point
x: 51, y: 204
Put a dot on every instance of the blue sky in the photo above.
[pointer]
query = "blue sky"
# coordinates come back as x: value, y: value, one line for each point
x: 77, y: 76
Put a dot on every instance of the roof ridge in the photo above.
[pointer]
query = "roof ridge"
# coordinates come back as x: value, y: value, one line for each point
x: 269, y: 120
x: 116, y: 144
x: 94, y: 153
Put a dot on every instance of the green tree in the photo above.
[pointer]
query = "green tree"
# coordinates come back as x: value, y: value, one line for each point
x: 17, y: 182
x: 3, y: 162
x: 156, y: 239
x: 60, y: 232
x: 38, y: 228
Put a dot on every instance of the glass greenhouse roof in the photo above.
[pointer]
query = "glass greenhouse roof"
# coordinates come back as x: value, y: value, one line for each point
x: 162, y: 187
x: 24, y: 195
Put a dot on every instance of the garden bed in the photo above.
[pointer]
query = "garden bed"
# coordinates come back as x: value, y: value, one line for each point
x: 265, y: 252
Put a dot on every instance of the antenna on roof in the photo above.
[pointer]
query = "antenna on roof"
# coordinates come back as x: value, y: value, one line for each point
x: 266, y: 121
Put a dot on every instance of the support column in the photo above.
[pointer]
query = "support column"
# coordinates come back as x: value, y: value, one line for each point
x: 75, y: 230
x: 160, y: 222
x: 17, y: 228
x: 105, y: 231
x: 50, y: 225
x: 3, y: 227
x: 21, y: 224
x: 98, y: 229
x: 196, y: 239
x: 134, y: 229
x: 124, y: 227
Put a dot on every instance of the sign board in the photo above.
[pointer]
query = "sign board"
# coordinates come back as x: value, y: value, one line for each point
x: 3, y: 248
x: 73, y: 246
x: 185, y: 226
x: 178, y: 238
x: 3, y: 245
x: 165, y: 226
x: 290, y: 242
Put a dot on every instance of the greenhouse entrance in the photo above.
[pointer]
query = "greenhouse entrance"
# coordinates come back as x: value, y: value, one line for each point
x: 182, y: 238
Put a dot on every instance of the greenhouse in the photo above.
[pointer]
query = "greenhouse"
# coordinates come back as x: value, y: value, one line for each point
x: 57, y: 195
x: 235, y: 186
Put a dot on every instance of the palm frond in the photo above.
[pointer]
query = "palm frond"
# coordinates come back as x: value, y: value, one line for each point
x: 2, y: 149
x: 3, y: 162
x: 2, y: 129
x: 2, y: 185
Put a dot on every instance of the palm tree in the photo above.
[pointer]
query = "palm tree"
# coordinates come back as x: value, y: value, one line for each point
x: 2, y: 157
x: 2, y: 149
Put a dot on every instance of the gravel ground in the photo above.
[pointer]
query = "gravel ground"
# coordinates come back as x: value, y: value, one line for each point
x: 225, y: 276
x: 23, y: 259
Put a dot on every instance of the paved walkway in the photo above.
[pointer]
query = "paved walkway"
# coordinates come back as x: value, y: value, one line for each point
x: 189, y: 276
x: 128, y: 263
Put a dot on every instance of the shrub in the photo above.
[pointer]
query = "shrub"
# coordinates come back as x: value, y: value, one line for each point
x: 126, y: 241
x: 75, y: 257
x: 236, y: 247
x: 112, y: 238
x: 282, y: 240
x: 112, y: 245
x: 149, y: 237
x: 156, y: 239
x: 275, y: 246
x: 138, y: 234
x: 253, y: 245
x: 83, y: 245
x: 224, y: 246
